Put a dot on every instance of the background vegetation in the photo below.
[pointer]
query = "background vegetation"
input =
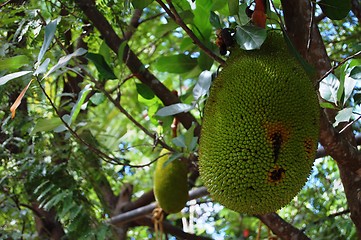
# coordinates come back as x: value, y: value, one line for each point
x: 81, y: 83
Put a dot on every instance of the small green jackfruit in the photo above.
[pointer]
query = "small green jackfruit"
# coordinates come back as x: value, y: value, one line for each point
x: 260, y: 129
x: 170, y: 183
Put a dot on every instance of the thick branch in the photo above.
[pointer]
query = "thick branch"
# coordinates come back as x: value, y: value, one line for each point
x: 172, y: 12
x: 341, y: 147
x: 297, y: 18
x: 169, y: 228
x: 141, y: 211
x: 132, y: 61
x: 281, y: 228
x: 356, y: 9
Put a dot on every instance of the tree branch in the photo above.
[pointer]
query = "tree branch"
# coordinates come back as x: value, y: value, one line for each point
x: 356, y: 9
x: 172, y: 12
x: 142, y: 211
x: 341, y: 147
x: 282, y: 228
x: 169, y: 228
x: 133, y: 62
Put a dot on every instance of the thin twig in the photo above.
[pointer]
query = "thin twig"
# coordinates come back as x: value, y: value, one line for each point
x: 309, y: 40
x: 335, y: 67
x: 149, y: 163
x: 116, y: 104
x: 349, y: 124
x: 172, y: 12
x: 98, y: 152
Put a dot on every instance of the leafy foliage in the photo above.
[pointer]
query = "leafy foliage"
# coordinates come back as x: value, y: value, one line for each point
x: 87, y: 125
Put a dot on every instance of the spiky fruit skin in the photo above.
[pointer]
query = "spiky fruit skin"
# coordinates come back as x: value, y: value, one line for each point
x: 170, y: 184
x: 260, y: 130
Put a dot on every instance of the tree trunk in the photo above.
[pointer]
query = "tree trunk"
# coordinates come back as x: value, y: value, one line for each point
x: 298, y: 15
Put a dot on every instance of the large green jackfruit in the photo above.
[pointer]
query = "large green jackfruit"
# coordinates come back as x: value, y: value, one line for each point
x: 170, y: 183
x: 260, y: 129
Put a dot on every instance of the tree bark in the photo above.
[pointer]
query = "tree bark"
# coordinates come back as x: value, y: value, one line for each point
x: 340, y: 147
x: 282, y: 228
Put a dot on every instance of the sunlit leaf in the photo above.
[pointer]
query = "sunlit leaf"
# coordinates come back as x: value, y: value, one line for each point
x: 203, y: 85
x: 343, y: 116
x: 349, y: 86
x: 328, y: 88
x: 174, y: 109
x: 11, y: 76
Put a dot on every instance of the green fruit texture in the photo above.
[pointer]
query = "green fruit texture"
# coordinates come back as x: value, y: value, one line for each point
x: 260, y: 129
x: 170, y: 183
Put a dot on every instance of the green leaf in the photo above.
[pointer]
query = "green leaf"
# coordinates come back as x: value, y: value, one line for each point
x: 97, y: 98
x: 173, y: 157
x: 55, y: 199
x: 355, y: 73
x: 144, y: 91
x: 180, y: 63
x: 327, y: 105
x: 233, y: 7
x: 242, y: 18
x: 306, y: 66
x: 205, y: 62
x: 214, y: 20
x: 202, y: 28
x: 121, y: 51
x: 48, y: 37
x: 13, y: 63
x: 140, y: 4
x: 335, y: 9
x: 357, y: 98
x: 11, y: 76
x: 189, y: 139
x: 250, y: 37
x: 79, y: 103
x: 45, y: 124
x: 102, y: 66
x: 179, y: 141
